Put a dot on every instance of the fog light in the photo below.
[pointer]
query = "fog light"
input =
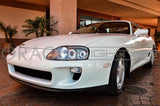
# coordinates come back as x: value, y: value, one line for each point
x: 76, y: 70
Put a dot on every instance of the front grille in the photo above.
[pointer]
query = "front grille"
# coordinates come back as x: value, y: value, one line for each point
x: 33, y: 73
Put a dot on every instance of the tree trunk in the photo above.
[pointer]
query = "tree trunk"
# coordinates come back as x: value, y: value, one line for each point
x: 37, y: 35
x: 42, y: 33
x: 6, y: 37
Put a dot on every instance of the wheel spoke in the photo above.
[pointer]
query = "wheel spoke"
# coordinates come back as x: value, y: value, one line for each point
x: 120, y: 73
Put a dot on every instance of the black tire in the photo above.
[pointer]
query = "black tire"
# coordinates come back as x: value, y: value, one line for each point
x: 113, y: 86
x: 151, y: 63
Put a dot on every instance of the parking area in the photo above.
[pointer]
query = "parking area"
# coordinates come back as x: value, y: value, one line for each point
x: 142, y: 88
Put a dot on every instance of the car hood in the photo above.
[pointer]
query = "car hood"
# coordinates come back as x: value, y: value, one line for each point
x: 65, y: 40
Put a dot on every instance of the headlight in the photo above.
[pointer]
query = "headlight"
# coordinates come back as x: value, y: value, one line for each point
x: 69, y: 53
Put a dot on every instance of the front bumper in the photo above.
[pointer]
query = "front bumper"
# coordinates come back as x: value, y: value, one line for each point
x: 57, y: 90
x: 93, y: 73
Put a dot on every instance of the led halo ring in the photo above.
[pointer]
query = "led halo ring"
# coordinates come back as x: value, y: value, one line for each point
x: 83, y: 54
x: 72, y: 54
x: 64, y: 52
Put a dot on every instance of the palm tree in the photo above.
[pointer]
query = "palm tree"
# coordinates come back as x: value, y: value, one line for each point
x: 39, y: 26
x: 11, y: 32
x: 4, y: 28
x: 8, y: 31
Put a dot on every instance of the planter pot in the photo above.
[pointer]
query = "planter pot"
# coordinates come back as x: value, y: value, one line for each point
x: 7, y: 47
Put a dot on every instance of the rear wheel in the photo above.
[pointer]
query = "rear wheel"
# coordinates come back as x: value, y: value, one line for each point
x: 150, y: 64
x: 117, y: 75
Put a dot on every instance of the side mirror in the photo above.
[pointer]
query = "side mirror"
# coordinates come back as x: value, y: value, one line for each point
x: 70, y: 33
x: 141, y: 32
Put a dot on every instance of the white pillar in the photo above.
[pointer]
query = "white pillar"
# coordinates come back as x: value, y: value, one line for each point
x: 65, y: 12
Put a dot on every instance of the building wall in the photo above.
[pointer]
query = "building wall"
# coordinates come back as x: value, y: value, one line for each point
x: 16, y: 17
x: 65, y: 12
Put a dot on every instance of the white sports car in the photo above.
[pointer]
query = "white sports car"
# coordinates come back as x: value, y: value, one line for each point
x: 100, y: 54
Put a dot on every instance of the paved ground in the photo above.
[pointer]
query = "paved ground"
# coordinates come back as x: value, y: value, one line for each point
x: 148, y: 93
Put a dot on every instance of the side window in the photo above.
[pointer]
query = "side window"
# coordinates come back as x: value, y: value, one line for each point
x: 114, y: 27
x: 134, y: 28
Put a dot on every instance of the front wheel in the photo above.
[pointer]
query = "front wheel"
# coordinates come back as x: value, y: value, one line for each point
x: 117, y: 75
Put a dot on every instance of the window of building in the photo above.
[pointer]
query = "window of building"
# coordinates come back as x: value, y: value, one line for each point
x: 86, y: 20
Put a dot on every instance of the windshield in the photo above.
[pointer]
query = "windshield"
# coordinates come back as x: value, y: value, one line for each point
x: 107, y: 27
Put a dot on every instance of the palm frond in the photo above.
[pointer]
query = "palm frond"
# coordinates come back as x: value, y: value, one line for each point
x: 11, y: 31
x: 8, y: 30
x: 28, y: 33
x: 39, y: 26
x: 2, y: 26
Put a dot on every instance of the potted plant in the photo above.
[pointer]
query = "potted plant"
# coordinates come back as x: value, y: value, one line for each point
x: 40, y: 26
x: 9, y: 33
x: 157, y: 39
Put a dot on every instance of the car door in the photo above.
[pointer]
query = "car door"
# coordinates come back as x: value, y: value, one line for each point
x: 137, y: 51
x: 147, y: 47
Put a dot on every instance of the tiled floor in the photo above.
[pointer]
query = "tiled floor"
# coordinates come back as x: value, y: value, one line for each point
x: 15, y: 94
